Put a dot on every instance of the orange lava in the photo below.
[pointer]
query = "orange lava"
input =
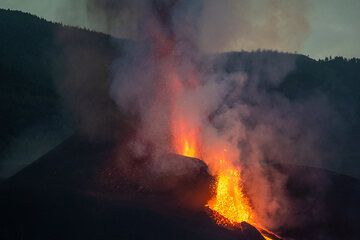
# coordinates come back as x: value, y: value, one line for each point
x: 229, y: 202
x: 185, y: 140
x: 229, y: 199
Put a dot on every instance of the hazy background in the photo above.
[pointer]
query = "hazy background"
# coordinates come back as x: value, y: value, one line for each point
x: 333, y: 25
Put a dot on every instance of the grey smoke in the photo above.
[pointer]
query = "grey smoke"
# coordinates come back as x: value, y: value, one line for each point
x: 234, y: 108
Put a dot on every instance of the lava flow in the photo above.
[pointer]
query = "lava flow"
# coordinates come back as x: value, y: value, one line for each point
x: 229, y: 201
x: 229, y: 204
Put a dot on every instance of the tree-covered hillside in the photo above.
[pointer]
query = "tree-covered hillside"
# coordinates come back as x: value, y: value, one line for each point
x: 43, y: 65
x: 33, y: 118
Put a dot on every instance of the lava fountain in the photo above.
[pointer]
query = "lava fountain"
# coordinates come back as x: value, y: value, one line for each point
x: 229, y: 205
x: 229, y: 199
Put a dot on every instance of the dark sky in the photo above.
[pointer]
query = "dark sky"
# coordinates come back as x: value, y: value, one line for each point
x: 334, y: 24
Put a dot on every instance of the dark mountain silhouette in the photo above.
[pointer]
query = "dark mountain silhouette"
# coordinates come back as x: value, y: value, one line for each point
x: 28, y: 94
x: 339, y: 80
x: 40, y: 62
x: 336, y: 79
x: 33, y: 56
x: 29, y: 101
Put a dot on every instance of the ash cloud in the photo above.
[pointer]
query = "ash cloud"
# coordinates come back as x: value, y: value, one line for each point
x: 237, y: 109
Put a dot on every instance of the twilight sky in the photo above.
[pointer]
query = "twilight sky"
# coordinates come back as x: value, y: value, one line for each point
x: 334, y: 24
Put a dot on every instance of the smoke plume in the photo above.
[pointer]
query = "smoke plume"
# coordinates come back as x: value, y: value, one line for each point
x: 237, y: 110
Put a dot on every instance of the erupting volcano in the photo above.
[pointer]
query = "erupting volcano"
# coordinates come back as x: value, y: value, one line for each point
x: 190, y: 130
x: 159, y: 127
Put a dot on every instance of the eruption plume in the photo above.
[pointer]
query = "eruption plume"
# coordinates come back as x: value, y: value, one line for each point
x: 176, y: 104
x: 198, y: 106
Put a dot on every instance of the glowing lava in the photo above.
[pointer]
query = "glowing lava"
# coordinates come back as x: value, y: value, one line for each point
x: 229, y: 200
x: 188, y: 151
x: 185, y: 141
x: 230, y: 205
